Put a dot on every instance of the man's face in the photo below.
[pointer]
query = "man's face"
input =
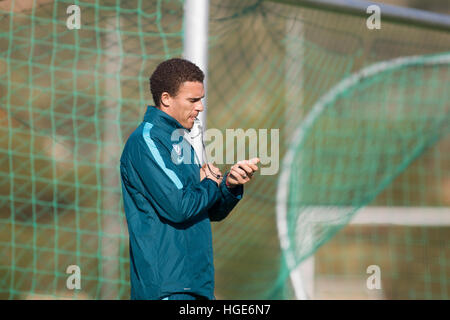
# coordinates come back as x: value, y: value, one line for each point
x: 186, y: 105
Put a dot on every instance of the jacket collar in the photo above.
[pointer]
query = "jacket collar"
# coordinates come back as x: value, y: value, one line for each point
x: 162, y: 120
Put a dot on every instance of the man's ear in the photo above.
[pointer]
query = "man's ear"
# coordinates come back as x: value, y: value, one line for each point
x: 165, y: 99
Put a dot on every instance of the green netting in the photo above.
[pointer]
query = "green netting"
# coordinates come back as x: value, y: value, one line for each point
x: 351, y: 147
x: 70, y: 98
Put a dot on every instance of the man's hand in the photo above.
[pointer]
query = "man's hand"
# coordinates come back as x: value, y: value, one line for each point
x: 206, y: 173
x: 241, y: 172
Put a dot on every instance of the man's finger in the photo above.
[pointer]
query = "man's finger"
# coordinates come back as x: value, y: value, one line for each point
x: 237, y: 176
x: 233, y: 180
x: 241, y: 178
x: 213, y: 169
x: 245, y: 167
x: 212, y: 165
x: 252, y: 165
x: 240, y: 171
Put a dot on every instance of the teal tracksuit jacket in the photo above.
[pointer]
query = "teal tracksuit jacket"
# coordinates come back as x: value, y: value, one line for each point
x: 169, y: 211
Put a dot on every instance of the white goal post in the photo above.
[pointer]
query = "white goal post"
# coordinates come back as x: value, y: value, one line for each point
x: 300, y: 273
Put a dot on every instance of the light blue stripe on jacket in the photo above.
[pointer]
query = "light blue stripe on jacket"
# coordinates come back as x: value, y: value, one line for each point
x: 155, y: 153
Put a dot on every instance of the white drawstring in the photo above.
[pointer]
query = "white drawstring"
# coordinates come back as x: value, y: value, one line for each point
x: 200, y: 129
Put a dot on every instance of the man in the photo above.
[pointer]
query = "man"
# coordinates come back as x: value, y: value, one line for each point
x: 168, y: 203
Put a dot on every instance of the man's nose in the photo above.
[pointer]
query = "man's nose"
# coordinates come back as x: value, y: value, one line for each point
x: 199, y: 106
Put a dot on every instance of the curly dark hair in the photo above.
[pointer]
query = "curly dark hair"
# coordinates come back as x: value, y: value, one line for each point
x: 170, y: 74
